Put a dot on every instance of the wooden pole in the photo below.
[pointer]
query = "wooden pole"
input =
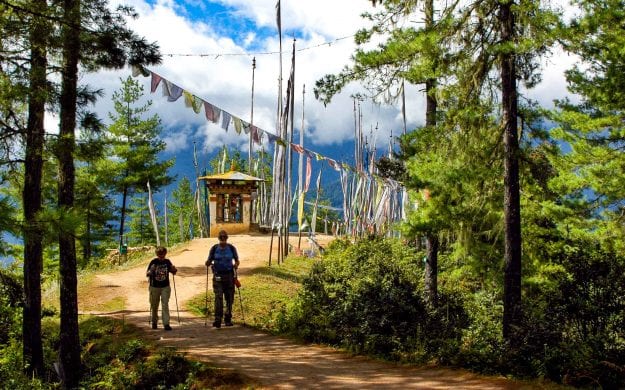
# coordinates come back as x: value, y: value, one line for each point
x: 271, y: 246
x: 280, y: 245
x: 251, y: 143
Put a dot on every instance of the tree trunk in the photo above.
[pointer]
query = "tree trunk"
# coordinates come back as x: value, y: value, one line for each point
x: 512, y: 205
x: 431, y: 265
x: 31, y: 196
x: 123, y: 213
x: 69, y: 343
x: 86, y: 241
x: 431, y: 270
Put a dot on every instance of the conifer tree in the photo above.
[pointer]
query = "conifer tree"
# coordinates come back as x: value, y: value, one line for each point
x: 464, y: 47
x: 141, y: 231
x: 182, y: 210
x: 135, y: 147
x: 590, y: 175
x: 32, y: 202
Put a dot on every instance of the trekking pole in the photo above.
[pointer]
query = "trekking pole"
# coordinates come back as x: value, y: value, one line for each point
x: 206, y: 299
x: 238, y: 285
x: 149, y: 309
x: 176, y: 296
x: 149, y: 303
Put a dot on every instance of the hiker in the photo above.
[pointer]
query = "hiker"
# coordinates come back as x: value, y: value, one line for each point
x: 223, y: 260
x: 158, y: 272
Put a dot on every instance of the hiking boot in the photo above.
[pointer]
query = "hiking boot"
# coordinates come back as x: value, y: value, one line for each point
x: 229, y: 323
x: 217, y: 324
x: 167, y: 327
x: 154, y: 325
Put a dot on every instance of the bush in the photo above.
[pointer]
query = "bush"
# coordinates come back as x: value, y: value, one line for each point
x: 575, y: 318
x: 367, y: 298
x: 11, y: 302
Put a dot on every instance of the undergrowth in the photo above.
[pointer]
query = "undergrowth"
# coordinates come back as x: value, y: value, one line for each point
x: 115, y: 356
x: 255, y: 303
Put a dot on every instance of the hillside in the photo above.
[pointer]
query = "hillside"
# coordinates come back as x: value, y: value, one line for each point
x: 274, y: 362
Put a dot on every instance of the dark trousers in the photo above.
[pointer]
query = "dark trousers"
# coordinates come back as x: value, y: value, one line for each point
x: 223, y: 287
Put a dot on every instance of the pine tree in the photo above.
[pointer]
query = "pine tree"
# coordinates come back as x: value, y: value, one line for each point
x: 135, y: 147
x: 590, y: 175
x: 32, y: 202
x: 141, y: 231
x: 183, y: 209
x: 460, y: 51
x: 69, y: 345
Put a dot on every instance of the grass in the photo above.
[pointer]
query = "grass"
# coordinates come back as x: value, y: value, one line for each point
x: 115, y: 355
x: 264, y: 294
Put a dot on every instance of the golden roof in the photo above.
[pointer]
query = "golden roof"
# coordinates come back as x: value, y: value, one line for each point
x: 231, y: 175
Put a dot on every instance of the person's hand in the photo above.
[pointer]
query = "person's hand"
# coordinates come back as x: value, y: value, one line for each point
x: 207, y: 263
x: 174, y: 270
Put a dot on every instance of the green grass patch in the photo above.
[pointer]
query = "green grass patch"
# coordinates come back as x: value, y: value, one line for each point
x: 264, y: 294
x: 116, y: 356
x: 115, y: 304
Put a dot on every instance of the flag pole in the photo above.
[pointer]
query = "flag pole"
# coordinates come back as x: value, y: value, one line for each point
x: 251, y: 144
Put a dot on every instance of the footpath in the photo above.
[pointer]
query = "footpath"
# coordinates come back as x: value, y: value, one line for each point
x: 272, y: 362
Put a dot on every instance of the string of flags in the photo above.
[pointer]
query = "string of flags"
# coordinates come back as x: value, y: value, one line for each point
x: 227, y: 121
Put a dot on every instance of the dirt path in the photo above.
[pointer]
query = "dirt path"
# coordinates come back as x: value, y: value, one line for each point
x: 274, y: 362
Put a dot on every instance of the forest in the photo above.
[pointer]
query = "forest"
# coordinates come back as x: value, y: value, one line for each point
x: 509, y: 260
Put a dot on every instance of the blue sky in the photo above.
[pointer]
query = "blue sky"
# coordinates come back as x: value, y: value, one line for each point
x: 208, y: 48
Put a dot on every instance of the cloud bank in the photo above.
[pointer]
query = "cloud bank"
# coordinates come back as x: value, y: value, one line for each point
x: 208, y: 50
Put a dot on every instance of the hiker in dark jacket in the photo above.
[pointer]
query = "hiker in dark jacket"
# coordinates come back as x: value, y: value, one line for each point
x: 223, y: 260
x: 158, y: 272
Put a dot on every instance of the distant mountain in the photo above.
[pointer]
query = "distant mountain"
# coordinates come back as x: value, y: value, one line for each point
x: 330, y: 180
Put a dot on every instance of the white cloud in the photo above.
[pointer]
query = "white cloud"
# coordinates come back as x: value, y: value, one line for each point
x: 217, y: 69
x: 225, y: 79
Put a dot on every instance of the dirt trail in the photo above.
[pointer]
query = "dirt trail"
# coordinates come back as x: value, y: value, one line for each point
x: 274, y: 362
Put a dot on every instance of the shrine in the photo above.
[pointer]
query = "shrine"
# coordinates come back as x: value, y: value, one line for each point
x: 231, y: 202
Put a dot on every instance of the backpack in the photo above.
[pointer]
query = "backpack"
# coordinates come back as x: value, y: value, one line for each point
x: 222, y: 258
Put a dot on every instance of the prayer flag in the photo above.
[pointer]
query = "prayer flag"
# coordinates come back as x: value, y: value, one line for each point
x: 225, y: 120
x: 171, y: 90
x: 308, y: 173
x: 212, y: 113
x: 156, y: 80
x: 139, y: 70
x: 192, y: 101
x: 279, y: 19
x: 298, y: 148
x: 237, y: 124
x: 300, y: 210
x: 313, y: 219
x: 153, y: 215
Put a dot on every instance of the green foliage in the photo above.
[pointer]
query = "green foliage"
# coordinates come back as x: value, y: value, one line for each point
x: 588, y: 289
x: 140, y: 225
x: 115, y: 357
x: 182, y: 213
x: 134, y: 146
x: 11, y: 301
x: 367, y: 297
x: 227, y: 160
x: 262, y: 306
x: 11, y: 369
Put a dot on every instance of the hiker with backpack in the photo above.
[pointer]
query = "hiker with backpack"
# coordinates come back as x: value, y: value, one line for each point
x: 158, y: 272
x: 224, y: 261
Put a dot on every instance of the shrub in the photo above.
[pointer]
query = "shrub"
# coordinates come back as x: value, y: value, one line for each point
x: 11, y: 301
x: 575, y: 318
x: 367, y: 297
